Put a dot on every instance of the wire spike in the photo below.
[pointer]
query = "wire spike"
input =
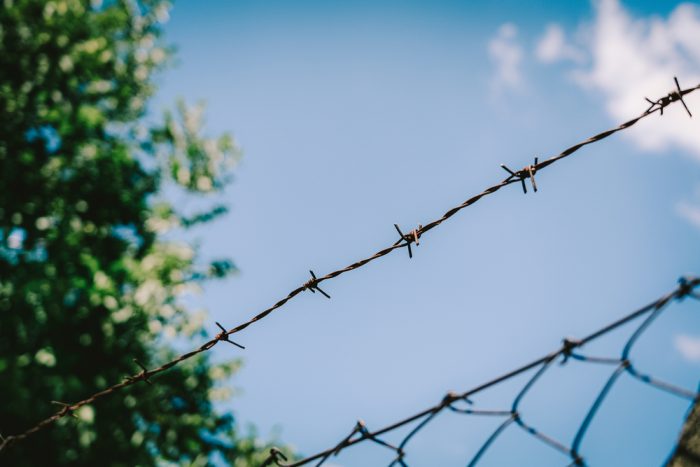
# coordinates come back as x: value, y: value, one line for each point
x: 275, y: 456
x: 680, y: 96
x: 522, y: 174
x: 411, y: 237
x: 144, y: 375
x: 224, y: 336
x: 66, y: 410
x: 312, y: 285
x: 505, y: 167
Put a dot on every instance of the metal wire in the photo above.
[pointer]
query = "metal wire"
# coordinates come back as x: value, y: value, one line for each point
x: 513, y: 415
x: 404, y: 241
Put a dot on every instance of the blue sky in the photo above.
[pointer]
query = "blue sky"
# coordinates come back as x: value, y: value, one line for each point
x: 356, y: 116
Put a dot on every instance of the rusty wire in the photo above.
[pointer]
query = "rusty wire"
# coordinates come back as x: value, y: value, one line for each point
x: 404, y: 241
x: 512, y: 415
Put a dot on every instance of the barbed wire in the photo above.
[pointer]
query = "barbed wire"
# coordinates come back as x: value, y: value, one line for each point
x: 312, y: 285
x: 566, y: 351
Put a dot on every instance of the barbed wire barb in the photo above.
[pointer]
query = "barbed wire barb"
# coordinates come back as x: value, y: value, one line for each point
x: 275, y: 456
x: 223, y: 336
x: 312, y: 285
x: 523, y: 174
x: 411, y: 237
x: 671, y: 97
x: 144, y: 375
x: 66, y: 409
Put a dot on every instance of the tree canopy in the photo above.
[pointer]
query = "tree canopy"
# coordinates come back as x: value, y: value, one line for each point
x: 94, y: 267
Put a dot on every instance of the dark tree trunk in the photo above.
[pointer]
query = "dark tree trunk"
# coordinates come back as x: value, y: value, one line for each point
x: 687, y: 452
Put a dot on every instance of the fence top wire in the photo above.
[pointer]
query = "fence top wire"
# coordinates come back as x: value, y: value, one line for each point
x: 405, y: 240
x: 566, y: 351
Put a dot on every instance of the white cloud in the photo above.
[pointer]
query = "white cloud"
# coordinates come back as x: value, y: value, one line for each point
x: 690, y: 211
x: 631, y: 58
x: 688, y: 346
x: 553, y: 47
x: 507, y: 56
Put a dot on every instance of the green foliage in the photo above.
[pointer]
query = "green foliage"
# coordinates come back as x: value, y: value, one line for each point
x: 91, y: 272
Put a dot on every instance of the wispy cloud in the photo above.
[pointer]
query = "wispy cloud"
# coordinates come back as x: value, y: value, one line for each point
x: 690, y: 210
x: 553, y: 47
x: 507, y: 55
x: 626, y: 58
x: 688, y: 346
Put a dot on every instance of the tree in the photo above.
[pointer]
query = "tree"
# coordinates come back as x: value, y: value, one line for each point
x: 93, y: 271
x: 687, y: 451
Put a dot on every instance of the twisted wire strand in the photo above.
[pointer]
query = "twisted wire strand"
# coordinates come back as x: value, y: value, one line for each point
x: 313, y: 284
x: 652, y: 310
